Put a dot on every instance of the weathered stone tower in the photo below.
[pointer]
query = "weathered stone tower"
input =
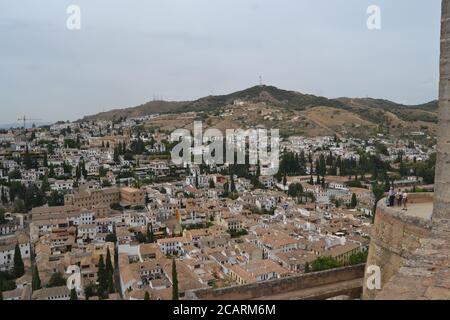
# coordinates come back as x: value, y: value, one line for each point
x: 441, y: 214
x: 413, y: 249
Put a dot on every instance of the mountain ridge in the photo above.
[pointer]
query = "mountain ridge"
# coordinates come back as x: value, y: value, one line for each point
x: 379, y: 112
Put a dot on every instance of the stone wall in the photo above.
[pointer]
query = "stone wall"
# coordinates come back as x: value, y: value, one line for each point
x: 441, y: 214
x: 426, y: 273
x: 286, y: 285
x: 394, y: 238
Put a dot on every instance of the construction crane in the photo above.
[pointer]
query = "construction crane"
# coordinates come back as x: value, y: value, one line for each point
x: 25, y: 119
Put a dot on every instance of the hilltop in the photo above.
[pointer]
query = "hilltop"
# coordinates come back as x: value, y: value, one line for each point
x: 293, y: 112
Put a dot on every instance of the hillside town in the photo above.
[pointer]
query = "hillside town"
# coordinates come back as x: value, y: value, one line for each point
x: 97, y: 210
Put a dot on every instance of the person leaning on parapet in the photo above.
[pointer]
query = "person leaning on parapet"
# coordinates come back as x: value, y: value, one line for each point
x: 391, y: 196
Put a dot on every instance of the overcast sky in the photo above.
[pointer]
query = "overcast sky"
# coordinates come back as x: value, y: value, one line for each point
x: 129, y: 51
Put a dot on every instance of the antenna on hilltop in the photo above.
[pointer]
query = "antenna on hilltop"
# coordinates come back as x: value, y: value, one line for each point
x: 260, y: 81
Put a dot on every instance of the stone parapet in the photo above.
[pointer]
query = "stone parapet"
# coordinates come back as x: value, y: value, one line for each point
x: 397, y: 234
x: 292, y: 287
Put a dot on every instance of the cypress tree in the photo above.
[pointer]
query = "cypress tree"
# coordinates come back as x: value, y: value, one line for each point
x: 2, y: 216
x: 102, y: 278
x: 354, y: 201
x: 116, y: 154
x: 109, y: 271
x: 226, y: 189
x: 27, y: 159
x: 36, y: 280
x: 232, y: 185
x: 73, y: 294
x: 19, y: 267
x: 84, y: 172
x: 45, y: 162
x: 51, y: 174
x: 175, y: 295
x: 150, y: 235
x: 78, y: 173
x: 3, y: 198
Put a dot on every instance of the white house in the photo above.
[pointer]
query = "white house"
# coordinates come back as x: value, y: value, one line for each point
x: 7, y: 255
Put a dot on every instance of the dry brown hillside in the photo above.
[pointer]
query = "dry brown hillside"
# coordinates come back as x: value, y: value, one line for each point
x: 292, y: 112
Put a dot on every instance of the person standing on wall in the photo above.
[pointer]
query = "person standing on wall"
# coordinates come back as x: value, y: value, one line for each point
x: 391, y: 195
x: 405, y: 200
x: 399, y: 196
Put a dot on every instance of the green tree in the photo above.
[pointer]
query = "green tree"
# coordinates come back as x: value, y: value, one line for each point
x: 90, y: 290
x: 4, y: 198
x: 56, y: 199
x: 56, y: 280
x: 19, y: 267
x: 72, y: 144
x: 226, y: 189
x: 324, y: 263
x: 307, y: 267
x: 19, y: 206
x: 147, y: 296
x: 358, y: 258
x: 295, y: 190
x: 116, y: 206
x: 111, y: 237
x: 175, y: 295
x: 232, y: 184
x: 73, y: 294
x: 7, y: 281
x: 51, y: 173
x: 15, y: 175
x: 45, y: 161
x: 2, y: 216
x: 45, y: 184
x: 102, y: 278
x: 36, y: 280
x: 110, y: 271
x: 378, y: 193
x: 150, y: 234
x: 354, y: 201
x: 27, y: 161
x: 83, y: 170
